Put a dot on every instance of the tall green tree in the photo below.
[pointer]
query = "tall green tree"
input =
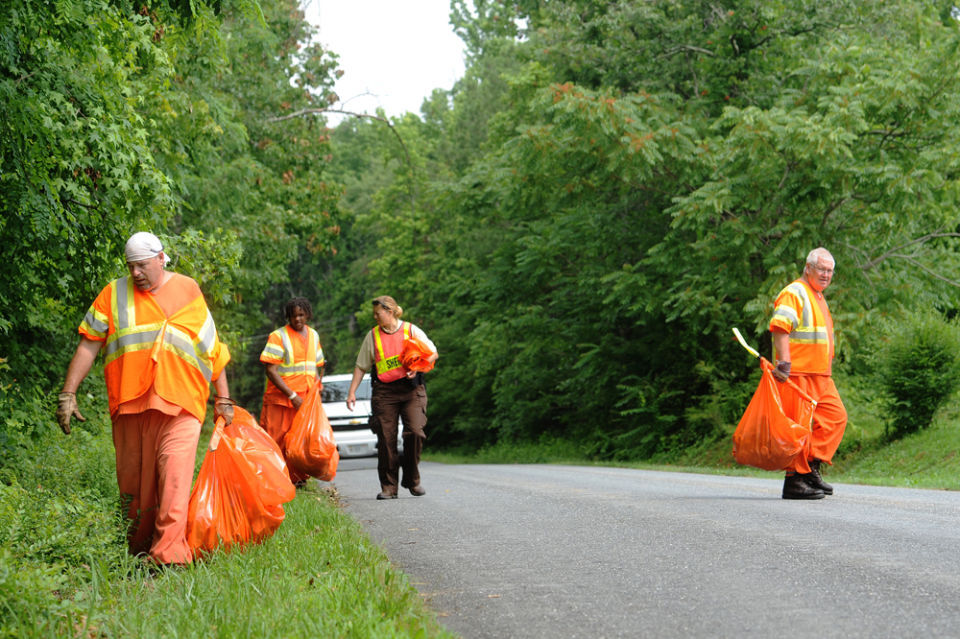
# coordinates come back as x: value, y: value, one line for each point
x: 247, y: 145
x: 165, y: 116
x: 77, y: 171
x: 652, y: 176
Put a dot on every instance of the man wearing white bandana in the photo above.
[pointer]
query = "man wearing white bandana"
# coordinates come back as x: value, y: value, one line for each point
x: 161, y: 352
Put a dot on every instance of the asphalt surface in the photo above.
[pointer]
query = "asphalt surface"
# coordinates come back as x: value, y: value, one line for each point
x: 557, y: 551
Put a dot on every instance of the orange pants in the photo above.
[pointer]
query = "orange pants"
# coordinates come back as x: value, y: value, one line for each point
x: 829, y: 418
x: 156, y: 454
x: 276, y: 420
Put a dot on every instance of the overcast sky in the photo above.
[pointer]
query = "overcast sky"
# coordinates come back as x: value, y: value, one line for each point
x: 393, y: 53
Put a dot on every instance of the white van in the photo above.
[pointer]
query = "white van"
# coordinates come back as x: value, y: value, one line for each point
x: 351, y: 429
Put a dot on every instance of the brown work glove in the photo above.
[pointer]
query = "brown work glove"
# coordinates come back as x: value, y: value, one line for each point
x: 223, y: 407
x: 782, y: 371
x: 66, y: 410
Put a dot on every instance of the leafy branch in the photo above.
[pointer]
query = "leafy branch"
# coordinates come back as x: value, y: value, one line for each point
x: 896, y: 252
x: 685, y: 48
x: 318, y: 111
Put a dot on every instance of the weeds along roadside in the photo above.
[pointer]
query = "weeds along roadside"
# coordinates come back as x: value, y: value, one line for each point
x: 317, y: 576
x: 64, y: 570
x: 929, y: 458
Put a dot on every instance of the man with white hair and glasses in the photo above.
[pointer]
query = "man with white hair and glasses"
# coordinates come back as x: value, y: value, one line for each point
x: 803, y: 344
x: 161, y: 352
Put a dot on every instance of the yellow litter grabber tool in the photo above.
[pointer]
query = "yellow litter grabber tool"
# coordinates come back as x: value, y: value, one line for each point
x: 743, y: 342
x: 768, y: 366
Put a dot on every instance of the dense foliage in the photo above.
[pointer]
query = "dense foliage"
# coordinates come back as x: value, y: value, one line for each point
x: 122, y: 115
x: 577, y: 223
x: 919, y: 369
x: 636, y: 178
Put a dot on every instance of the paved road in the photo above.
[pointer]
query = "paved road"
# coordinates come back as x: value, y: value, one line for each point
x: 553, y: 551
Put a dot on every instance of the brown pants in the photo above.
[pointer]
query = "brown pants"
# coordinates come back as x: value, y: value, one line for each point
x: 155, y: 460
x: 389, y: 403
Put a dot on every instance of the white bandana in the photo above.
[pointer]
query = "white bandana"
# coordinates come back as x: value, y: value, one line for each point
x: 143, y: 246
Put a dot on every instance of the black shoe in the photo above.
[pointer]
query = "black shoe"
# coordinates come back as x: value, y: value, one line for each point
x: 386, y: 495
x: 794, y: 487
x: 417, y: 491
x: 814, y: 478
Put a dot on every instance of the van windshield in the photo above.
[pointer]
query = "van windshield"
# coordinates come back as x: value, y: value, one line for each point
x: 337, y: 391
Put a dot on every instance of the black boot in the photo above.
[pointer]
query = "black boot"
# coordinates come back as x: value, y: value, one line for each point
x: 794, y: 487
x: 816, y: 480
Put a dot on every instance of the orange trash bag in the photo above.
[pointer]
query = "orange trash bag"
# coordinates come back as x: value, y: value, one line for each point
x: 309, y: 444
x: 415, y: 355
x: 766, y: 437
x: 241, y: 487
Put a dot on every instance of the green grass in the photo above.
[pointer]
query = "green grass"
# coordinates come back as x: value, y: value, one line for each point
x: 318, y: 576
x: 64, y: 570
x: 927, y: 459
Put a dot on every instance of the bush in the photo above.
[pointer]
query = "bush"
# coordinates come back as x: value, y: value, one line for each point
x: 59, y: 515
x: 918, y: 370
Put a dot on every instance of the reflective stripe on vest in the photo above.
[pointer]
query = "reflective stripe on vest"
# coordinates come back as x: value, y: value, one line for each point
x: 806, y: 329
x: 811, y: 339
x: 128, y: 337
x: 309, y: 365
x: 175, y: 351
x: 298, y: 375
x: 389, y: 368
x: 96, y: 323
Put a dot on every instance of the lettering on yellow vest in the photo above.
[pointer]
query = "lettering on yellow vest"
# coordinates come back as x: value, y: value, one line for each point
x: 386, y: 364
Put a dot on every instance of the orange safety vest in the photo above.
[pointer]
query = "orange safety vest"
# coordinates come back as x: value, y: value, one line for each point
x: 177, y: 355
x: 386, y: 353
x: 297, y: 364
x: 803, y: 313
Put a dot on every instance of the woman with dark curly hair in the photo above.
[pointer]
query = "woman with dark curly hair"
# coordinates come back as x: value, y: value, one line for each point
x: 293, y: 360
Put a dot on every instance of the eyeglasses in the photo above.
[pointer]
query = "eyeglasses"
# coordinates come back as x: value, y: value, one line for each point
x: 379, y: 303
x: 823, y: 271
